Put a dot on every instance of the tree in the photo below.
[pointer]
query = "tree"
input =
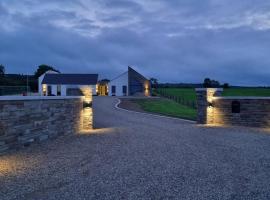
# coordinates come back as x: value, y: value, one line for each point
x: 226, y: 85
x: 43, y: 69
x: 104, y: 81
x: 2, y: 70
x: 215, y: 84
x: 154, y: 82
x: 207, y: 83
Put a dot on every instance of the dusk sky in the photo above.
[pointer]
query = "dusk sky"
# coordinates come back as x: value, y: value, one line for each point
x: 171, y: 40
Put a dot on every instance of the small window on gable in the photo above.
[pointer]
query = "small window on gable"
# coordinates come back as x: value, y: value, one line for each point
x: 124, y: 90
x: 113, y: 89
x: 236, y: 107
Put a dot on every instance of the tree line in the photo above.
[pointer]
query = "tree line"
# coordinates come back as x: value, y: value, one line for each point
x: 207, y: 83
x: 23, y: 80
x: 41, y: 69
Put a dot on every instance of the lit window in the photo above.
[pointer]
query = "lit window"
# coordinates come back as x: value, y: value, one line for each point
x: 44, y: 90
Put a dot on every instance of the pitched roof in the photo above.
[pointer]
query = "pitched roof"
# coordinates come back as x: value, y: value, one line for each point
x: 133, y: 71
x: 70, y: 79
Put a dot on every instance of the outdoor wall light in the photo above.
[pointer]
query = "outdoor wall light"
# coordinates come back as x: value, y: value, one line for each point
x: 87, y: 104
x: 210, y: 105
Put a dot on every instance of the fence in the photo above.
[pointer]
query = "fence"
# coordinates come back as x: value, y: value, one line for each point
x: 178, y: 99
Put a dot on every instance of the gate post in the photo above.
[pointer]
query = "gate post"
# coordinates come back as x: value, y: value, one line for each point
x: 205, y: 107
x: 87, y: 121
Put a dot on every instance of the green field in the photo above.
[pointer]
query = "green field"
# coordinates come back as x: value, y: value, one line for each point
x: 167, y: 107
x: 186, y: 93
x: 257, y: 92
x: 189, y: 93
x: 171, y: 108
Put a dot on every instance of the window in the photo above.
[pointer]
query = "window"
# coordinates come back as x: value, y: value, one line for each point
x: 49, y: 90
x: 124, y: 90
x: 113, y: 90
x: 236, y: 107
x: 58, y: 90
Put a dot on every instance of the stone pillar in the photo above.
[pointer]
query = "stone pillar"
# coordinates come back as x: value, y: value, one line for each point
x: 205, y: 104
x: 87, y: 121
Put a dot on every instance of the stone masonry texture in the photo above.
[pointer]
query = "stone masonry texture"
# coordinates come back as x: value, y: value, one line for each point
x: 23, y: 122
x: 254, y: 112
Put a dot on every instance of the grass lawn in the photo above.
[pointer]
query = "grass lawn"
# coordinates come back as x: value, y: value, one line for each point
x: 186, y: 93
x: 167, y: 107
x: 171, y: 108
x: 257, y: 92
x: 189, y: 93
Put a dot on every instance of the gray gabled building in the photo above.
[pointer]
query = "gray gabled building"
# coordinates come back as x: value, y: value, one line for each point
x: 130, y: 83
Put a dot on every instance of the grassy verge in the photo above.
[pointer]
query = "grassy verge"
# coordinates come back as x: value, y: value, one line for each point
x: 168, y: 108
x: 171, y: 108
x: 189, y: 93
x: 257, y: 92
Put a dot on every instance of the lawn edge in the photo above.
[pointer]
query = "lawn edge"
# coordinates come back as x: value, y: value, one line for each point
x: 150, y: 114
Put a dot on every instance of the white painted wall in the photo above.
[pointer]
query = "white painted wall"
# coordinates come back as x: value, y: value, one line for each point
x: 40, y: 79
x: 63, y: 90
x: 54, y: 90
x: 93, y: 87
x: 63, y: 87
x: 119, y: 82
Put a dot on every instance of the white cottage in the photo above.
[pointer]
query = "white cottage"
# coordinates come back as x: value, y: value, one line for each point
x: 57, y: 84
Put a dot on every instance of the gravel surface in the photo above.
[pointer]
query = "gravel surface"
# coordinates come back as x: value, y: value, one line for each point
x: 135, y: 156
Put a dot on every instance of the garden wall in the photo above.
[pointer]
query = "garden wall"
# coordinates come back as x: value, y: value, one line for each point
x: 237, y: 111
x: 24, y: 120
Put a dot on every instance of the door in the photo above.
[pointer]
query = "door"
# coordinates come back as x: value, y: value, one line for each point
x: 102, y: 90
x: 124, y: 90
x: 49, y: 90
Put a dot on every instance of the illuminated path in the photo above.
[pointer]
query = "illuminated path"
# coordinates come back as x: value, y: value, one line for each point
x: 135, y: 156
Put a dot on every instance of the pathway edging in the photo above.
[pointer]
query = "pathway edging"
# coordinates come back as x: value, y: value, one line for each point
x: 161, y: 116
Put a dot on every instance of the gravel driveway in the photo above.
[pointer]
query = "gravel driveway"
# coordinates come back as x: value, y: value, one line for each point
x: 136, y: 156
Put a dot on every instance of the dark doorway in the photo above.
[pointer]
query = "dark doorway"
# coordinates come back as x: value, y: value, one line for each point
x: 49, y: 90
x: 124, y: 90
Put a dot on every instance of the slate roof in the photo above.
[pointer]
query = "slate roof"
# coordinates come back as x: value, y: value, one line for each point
x: 70, y: 79
x: 133, y: 72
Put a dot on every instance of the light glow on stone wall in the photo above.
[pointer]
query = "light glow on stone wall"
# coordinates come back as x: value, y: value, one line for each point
x: 210, y: 109
x: 87, y: 112
x: 213, y: 114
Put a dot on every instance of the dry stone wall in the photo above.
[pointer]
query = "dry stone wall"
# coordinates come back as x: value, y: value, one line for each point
x: 254, y: 112
x: 237, y: 111
x: 27, y: 120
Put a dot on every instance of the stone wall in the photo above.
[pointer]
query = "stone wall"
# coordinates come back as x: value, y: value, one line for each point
x: 254, y: 112
x: 216, y: 110
x: 24, y: 120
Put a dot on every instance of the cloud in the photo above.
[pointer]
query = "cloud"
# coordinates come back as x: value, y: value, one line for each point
x: 175, y: 41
